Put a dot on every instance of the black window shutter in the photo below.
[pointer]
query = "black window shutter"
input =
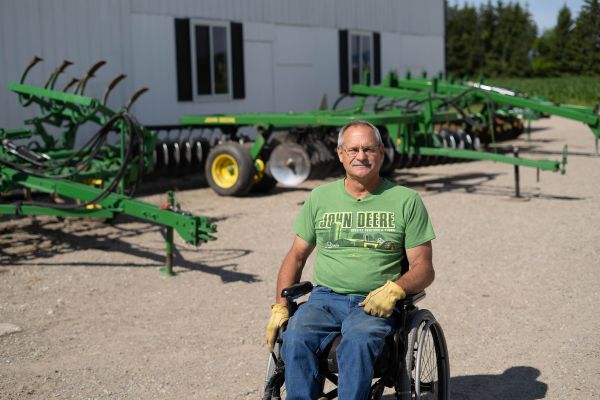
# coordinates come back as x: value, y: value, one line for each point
x: 184, y: 59
x: 376, y: 58
x: 343, y: 42
x: 237, y: 60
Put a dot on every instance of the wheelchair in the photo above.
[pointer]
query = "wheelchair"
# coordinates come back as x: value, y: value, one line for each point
x: 414, y: 361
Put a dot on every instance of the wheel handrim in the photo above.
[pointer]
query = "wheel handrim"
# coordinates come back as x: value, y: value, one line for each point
x: 426, y: 371
x: 225, y: 171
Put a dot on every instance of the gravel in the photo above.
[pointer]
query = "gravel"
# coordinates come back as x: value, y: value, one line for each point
x: 516, y: 290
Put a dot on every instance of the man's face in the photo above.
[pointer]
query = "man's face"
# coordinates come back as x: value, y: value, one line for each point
x: 360, y: 153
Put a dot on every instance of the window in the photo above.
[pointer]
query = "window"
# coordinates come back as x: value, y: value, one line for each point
x: 361, y: 58
x: 211, y: 55
x: 359, y: 52
x: 210, y: 60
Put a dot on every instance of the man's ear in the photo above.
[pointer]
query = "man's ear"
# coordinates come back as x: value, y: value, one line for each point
x: 339, y: 153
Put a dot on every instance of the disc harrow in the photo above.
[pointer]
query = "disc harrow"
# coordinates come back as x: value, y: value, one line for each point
x: 294, y: 147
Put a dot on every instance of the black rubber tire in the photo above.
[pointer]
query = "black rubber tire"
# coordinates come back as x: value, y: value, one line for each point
x: 267, y: 182
x: 426, y: 347
x: 242, y: 162
x: 400, y: 161
x: 265, y: 185
x: 388, y: 166
x: 277, y: 391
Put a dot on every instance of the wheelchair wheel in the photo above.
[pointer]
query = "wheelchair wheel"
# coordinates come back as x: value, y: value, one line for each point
x: 427, y: 371
x: 274, y: 376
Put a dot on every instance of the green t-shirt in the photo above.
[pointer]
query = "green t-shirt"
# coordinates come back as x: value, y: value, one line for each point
x: 361, y: 243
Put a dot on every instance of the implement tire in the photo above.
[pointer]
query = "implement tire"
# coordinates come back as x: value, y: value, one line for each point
x: 229, y: 169
x: 265, y: 185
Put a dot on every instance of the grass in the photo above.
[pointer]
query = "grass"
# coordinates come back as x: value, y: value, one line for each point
x: 584, y: 90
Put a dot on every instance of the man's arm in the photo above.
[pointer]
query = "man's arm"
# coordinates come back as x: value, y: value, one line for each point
x: 421, y: 272
x: 381, y: 301
x: 292, y: 266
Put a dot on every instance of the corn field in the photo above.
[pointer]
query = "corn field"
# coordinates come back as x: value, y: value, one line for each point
x: 566, y: 90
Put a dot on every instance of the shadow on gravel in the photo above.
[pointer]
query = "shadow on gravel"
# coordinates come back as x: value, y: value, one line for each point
x: 30, y: 243
x: 535, y: 129
x: 559, y: 153
x: 516, y: 383
x: 471, y: 183
x: 461, y: 182
x: 530, y: 147
x: 197, y: 181
x: 150, y: 185
x: 227, y: 272
x: 278, y: 190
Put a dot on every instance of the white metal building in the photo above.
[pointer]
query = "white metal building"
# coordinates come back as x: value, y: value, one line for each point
x: 217, y: 56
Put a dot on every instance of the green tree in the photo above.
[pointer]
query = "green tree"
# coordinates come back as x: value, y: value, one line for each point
x: 500, y: 39
x: 488, y: 23
x: 463, y: 52
x: 562, y: 49
x: 542, y: 62
x: 521, y: 34
x: 509, y: 33
x: 586, y: 44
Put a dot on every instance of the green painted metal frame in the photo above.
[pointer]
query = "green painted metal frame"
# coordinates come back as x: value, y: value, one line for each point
x: 400, y: 126
x: 69, y: 111
x: 192, y: 229
x: 419, y: 89
x: 587, y: 115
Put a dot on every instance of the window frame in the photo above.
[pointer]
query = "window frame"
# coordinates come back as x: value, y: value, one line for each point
x: 199, y: 98
x: 361, y: 34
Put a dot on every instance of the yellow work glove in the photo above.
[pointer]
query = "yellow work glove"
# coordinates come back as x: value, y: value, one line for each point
x: 279, y: 314
x: 381, y: 301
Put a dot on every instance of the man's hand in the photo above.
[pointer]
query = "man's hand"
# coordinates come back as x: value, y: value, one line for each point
x: 279, y: 314
x: 381, y: 301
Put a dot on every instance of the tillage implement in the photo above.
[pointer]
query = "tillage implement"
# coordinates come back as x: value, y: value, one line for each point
x: 419, y: 127
x: 97, y: 179
x: 498, y: 111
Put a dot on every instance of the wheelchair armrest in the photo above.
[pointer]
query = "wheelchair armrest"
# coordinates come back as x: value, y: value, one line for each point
x: 411, y: 299
x: 297, y: 290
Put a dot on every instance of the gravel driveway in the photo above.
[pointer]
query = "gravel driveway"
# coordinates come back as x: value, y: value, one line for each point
x: 516, y: 291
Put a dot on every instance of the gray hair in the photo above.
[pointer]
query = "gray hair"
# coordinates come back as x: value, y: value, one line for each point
x: 359, y: 123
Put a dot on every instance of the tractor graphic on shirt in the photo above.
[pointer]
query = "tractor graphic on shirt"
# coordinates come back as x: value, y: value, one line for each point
x: 358, y: 240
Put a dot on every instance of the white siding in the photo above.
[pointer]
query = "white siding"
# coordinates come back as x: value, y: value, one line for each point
x: 417, y: 17
x: 154, y: 67
x: 290, y: 48
x: 82, y: 31
x: 412, y: 53
x: 306, y: 67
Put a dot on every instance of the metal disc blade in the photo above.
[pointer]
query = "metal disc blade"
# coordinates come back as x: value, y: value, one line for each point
x: 289, y: 164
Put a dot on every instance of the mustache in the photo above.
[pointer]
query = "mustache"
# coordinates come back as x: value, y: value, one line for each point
x: 361, y: 164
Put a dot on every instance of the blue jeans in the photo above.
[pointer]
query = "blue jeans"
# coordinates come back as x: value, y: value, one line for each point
x: 313, y: 327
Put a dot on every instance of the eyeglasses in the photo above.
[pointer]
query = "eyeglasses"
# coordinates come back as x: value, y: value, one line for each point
x: 353, y: 151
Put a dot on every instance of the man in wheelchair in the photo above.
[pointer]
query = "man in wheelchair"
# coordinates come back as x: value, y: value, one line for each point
x: 373, y: 241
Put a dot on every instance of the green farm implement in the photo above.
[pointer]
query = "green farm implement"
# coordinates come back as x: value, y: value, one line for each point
x: 479, y: 104
x: 97, y: 179
x: 291, y: 147
x: 423, y: 122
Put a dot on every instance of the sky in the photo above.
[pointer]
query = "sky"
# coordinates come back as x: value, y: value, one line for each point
x: 544, y: 12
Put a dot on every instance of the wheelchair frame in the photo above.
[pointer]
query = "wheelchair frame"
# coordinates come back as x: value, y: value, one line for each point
x: 406, y: 363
